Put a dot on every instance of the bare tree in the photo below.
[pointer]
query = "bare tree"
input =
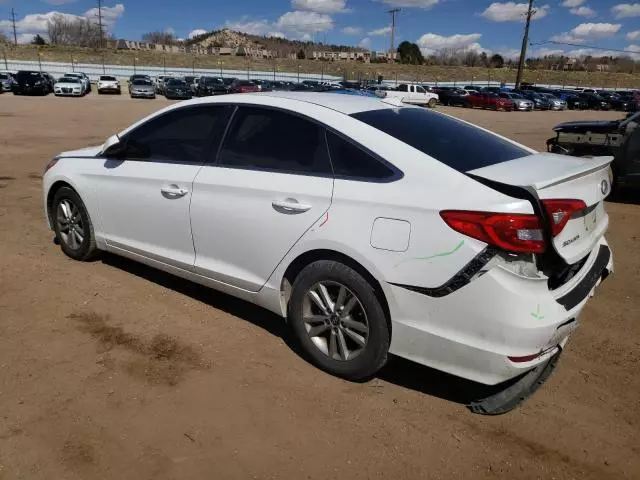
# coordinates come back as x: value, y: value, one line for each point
x: 161, y: 38
x: 471, y: 58
x: 3, y: 38
x: 82, y: 32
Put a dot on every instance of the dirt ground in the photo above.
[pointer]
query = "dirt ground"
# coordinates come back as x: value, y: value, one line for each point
x: 110, y: 370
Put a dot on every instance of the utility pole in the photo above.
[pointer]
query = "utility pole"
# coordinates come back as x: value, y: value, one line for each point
x: 13, y: 21
x: 100, y: 21
x: 393, y: 12
x: 525, y: 41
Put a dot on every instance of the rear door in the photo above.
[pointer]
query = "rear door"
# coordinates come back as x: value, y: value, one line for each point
x: 560, y: 177
x: 271, y: 182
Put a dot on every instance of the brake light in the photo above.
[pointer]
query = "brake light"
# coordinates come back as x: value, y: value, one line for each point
x: 50, y: 165
x: 560, y: 212
x: 513, y: 232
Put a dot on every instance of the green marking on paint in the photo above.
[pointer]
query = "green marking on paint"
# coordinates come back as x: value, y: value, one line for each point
x: 537, y: 315
x: 442, y: 254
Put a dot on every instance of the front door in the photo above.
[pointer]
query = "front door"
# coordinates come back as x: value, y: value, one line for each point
x: 145, y: 193
x: 272, y: 181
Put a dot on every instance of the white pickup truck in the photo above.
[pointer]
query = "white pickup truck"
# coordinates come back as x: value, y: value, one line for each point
x: 412, y: 94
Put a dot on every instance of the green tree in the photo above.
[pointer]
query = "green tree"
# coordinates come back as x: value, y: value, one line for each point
x: 38, y: 40
x: 301, y: 55
x: 497, y: 61
x: 410, y: 53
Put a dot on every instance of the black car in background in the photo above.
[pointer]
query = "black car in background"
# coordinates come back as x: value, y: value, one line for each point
x: 32, y: 83
x: 540, y: 102
x: 595, y: 101
x: 177, y: 89
x: 208, y: 86
x: 453, y: 96
x: 264, y: 85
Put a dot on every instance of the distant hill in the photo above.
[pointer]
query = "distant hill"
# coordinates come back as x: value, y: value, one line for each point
x: 231, y: 39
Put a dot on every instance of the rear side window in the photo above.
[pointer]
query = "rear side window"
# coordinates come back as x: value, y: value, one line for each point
x: 459, y: 145
x: 351, y: 162
x: 265, y: 139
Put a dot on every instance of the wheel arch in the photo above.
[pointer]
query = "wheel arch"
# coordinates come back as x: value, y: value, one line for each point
x: 310, y: 256
x: 55, y: 186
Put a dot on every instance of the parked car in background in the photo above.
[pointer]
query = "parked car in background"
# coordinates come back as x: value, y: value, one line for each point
x: 263, y: 85
x: 6, y: 80
x: 194, y: 85
x: 208, y: 86
x: 108, y: 84
x: 69, y: 87
x: 28, y: 82
x: 243, y: 86
x: 489, y: 100
x: 540, y: 102
x: 160, y: 82
x: 452, y: 96
x: 86, y: 84
x: 177, y: 89
x: 142, y: 88
x: 411, y: 94
x: 555, y: 102
x: 617, y: 101
x: 519, y: 102
x: 137, y: 76
x: 491, y: 89
x: 330, y: 228
x: 595, y: 101
x: 574, y: 102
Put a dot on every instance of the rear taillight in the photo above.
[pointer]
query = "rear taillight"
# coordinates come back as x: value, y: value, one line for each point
x: 560, y: 212
x: 50, y: 165
x: 513, y: 232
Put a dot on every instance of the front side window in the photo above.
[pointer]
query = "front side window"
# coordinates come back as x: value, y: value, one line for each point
x: 183, y: 135
x: 420, y: 90
x: 264, y: 139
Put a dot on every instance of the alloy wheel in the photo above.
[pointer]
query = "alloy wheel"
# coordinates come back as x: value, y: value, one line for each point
x: 70, y: 224
x: 335, y: 320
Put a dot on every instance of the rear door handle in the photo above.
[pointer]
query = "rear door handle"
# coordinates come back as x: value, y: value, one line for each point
x: 174, y: 191
x: 290, y: 205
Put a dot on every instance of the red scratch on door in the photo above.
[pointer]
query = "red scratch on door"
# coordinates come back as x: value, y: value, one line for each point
x: 324, y: 220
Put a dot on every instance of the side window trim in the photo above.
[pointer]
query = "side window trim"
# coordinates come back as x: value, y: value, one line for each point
x: 397, y: 173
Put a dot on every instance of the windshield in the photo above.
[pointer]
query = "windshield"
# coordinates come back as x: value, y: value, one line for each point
x: 27, y: 75
x: 69, y: 80
x: 457, y: 144
x: 142, y: 81
x: 212, y: 81
x: 516, y: 96
x: 174, y: 82
x: 107, y: 78
x: 246, y: 83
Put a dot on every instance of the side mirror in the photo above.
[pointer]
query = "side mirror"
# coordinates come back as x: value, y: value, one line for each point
x: 112, y: 147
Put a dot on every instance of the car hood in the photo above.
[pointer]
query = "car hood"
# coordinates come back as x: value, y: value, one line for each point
x: 589, y: 125
x: 87, y: 152
x: 143, y: 87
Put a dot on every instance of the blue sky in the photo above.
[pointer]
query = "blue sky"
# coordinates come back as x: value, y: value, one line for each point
x: 433, y: 24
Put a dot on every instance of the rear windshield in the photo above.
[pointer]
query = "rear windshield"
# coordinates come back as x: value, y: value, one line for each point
x: 107, y: 78
x: 459, y: 145
x: 142, y: 81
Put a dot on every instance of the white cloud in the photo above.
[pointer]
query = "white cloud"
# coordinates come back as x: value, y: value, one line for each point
x: 276, y: 35
x: 365, y: 43
x: 320, y: 6
x: 25, y: 37
x: 626, y: 10
x: 566, y: 37
x: 252, y: 27
x: 572, y: 3
x: 430, y: 43
x: 583, y: 11
x: 411, y: 3
x: 196, y: 32
x: 596, y: 30
x: 633, y: 35
x: 58, y: 2
x: 509, y: 53
x: 301, y: 23
x: 380, y: 31
x: 544, y: 52
x: 36, y: 23
x: 352, y: 30
x: 635, y: 51
x: 170, y: 31
x: 512, y: 12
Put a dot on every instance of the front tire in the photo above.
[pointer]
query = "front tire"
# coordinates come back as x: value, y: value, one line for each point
x: 432, y: 103
x: 338, y: 320
x: 72, y: 225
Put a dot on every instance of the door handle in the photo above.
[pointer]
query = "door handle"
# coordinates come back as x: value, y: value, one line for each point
x: 174, y: 191
x: 290, y: 205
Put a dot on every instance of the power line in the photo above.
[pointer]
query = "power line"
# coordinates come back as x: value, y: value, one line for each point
x: 590, y: 47
x: 13, y: 20
x: 525, y: 40
x: 393, y: 12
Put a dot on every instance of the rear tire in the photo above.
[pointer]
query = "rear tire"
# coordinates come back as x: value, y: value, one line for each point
x: 72, y: 225
x: 338, y: 320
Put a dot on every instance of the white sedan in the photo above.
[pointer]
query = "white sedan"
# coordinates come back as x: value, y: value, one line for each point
x: 372, y: 227
x: 69, y: 86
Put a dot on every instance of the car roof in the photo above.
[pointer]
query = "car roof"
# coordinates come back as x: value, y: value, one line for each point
x: 347, y: 104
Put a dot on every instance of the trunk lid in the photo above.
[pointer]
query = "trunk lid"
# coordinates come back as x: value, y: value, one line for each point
x: 555, y: 177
